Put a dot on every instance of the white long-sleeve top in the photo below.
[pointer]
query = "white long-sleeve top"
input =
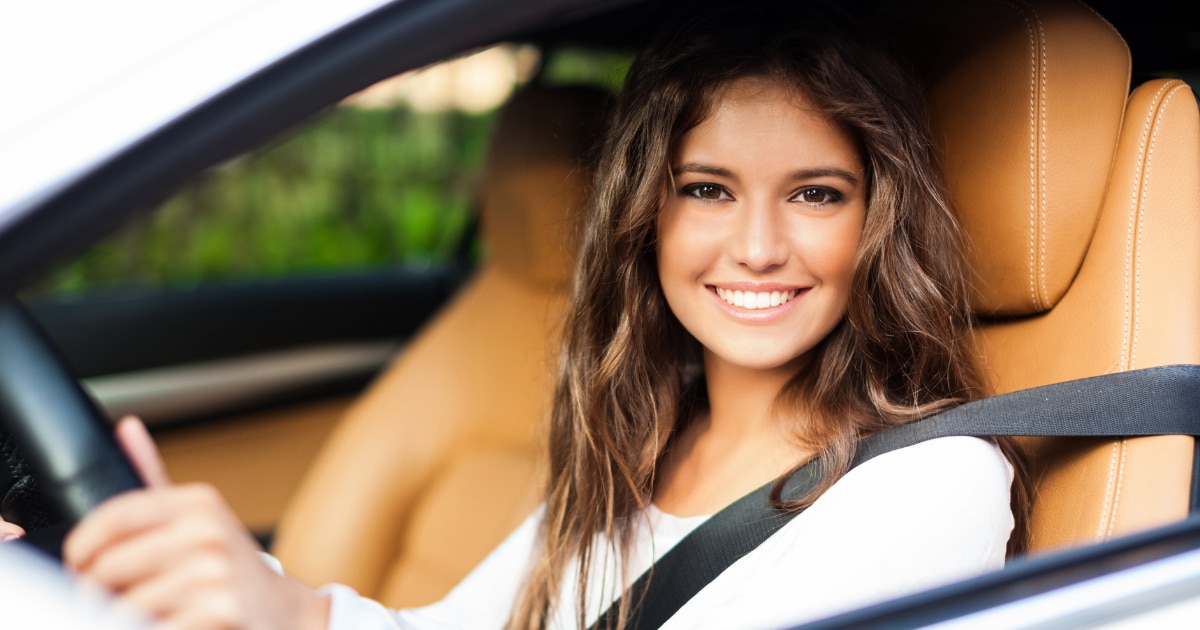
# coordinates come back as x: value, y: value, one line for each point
x: 905, y: 521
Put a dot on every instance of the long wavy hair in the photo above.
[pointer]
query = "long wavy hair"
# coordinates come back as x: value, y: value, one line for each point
x: 630, y: 377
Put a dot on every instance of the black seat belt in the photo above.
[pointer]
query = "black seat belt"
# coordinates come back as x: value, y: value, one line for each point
x: 1152, y: 401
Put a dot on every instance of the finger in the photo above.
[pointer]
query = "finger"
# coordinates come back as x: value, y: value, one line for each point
x: 211, y: 608
x: 118, y: 518
x: 10, y: 531
x: 165, y: 594
x: 135, y: 440
x: 151, y: 553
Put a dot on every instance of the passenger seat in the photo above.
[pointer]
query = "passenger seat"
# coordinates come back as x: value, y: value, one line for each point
x: 437, y: 462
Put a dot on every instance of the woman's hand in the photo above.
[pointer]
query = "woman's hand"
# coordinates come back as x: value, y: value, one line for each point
x: 10, y: 531
x: 180, y: 556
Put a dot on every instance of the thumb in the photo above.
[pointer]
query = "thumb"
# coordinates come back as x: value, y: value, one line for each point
x: 139, y: 447
x: 10, y: 531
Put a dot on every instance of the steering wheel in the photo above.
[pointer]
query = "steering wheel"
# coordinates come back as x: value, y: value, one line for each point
x: 56, y: 426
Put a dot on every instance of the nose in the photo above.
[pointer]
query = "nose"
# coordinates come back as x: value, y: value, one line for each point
x: 757, y: 241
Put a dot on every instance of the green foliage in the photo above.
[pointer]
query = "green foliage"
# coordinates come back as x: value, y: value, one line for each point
x: 605, y: 69
x: 361, y: 188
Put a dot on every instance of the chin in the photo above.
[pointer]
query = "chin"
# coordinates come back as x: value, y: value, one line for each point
x: 768, y: 360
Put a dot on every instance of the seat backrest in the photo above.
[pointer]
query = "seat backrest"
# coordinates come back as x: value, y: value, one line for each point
x: 392, y: 506
x: 1081, y: 203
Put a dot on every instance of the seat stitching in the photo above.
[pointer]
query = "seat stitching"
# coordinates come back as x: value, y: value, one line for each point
x: 1045, y: 295
x: 1133, y: 213
x: 1137, y: 304
x: 1109, y: 490
x: 1024, y: 11
x: 1036, y: 124
x: 1116, y: 477
x: 1116, y: 500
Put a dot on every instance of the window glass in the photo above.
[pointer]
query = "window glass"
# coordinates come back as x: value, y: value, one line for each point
x: 384, y: 179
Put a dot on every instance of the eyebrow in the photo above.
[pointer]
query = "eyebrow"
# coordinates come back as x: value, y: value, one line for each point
x: 702, y: 169
x: 807, y: 173
x: 829, y: 171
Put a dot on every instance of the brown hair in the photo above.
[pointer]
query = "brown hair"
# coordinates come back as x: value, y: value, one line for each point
x: 630, y: 376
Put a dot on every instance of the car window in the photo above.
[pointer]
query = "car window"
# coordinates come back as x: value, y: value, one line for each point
x: 384, y: 180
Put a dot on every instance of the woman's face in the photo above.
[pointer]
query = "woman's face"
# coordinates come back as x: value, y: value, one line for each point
x: 756, y: 239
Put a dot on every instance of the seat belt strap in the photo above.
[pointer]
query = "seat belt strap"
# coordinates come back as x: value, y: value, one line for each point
x: 1151, y: 401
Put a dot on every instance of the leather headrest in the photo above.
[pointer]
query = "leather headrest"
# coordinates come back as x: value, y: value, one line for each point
x: 1026, y: 102
x: 535, y: 180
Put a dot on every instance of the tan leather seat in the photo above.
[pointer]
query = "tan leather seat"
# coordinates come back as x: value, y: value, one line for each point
x: 435, y: 464
x: 1082, y: 203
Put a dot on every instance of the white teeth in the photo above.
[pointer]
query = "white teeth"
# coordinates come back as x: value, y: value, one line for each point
x: 753, y: 301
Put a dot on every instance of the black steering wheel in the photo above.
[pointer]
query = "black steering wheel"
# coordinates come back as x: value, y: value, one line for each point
x: 56, y: 428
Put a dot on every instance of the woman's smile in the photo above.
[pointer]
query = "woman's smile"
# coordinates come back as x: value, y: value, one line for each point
x: 759, y: 303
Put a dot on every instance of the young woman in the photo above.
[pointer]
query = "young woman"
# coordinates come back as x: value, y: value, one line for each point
x: 770, y: 272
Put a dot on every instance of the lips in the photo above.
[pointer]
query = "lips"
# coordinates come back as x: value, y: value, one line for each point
x: 754, y: 300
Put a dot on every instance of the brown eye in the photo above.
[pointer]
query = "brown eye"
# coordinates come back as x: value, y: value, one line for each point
x: 705, y: 192
x: 818, y: 195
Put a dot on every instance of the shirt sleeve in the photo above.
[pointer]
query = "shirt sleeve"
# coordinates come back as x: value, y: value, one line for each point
x: 484, y: 599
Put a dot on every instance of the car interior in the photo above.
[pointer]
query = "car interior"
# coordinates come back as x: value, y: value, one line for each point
x: 449, y: 429
x: 1101, y: 221
x: 1082, y: 240
x: 1075, y: 170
